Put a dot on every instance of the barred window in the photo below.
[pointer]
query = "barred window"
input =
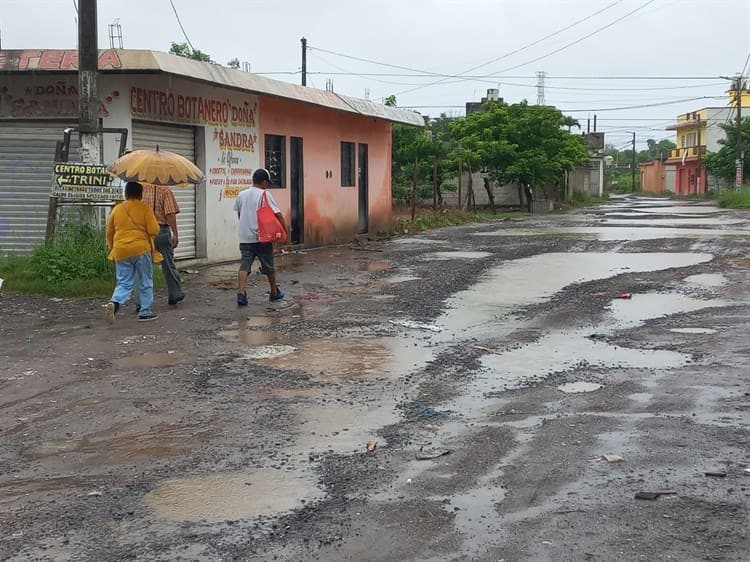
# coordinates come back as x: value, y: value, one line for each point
x: 347, y: 164
x: 276, y: 160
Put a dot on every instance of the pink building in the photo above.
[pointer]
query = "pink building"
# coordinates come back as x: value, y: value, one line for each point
x: 329, y: 154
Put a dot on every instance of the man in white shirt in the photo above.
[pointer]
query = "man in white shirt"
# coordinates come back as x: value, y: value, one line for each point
x: 246, y: 205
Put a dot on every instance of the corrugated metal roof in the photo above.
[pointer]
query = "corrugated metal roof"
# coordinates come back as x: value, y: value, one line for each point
x: 137, y: 60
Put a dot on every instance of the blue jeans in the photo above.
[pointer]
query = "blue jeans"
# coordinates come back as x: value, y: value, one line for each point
x: 127, y: 271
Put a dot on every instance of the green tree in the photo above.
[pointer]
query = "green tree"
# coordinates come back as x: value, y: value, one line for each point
x: 722, y: 163
x: 184, y: 50
x: 234, y: 63
x: 524, y: 144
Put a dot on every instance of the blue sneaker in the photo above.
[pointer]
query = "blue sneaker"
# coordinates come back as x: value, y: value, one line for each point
x: 278, y: 296
x: 241, y: 299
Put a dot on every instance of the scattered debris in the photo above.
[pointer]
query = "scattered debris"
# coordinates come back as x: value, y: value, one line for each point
x: 612, y: 458
x: 416, y: 325
x: 191, y: 271
x: 653, y: 495
x: 625, y: 296
x: 511, y: 412
x: 56, y: 299
x: 1, y: 282
x: 482, y: 348
x: 372, y: 445
x: 597, y: 336
x: 94, y: 494
x: 307, y: 297
x: 428, y: 456
x: 716, y: 474
x: 564, y: 511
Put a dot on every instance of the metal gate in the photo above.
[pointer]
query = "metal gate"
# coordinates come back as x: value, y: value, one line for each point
x: 27, y: 156
x: 179, y: 139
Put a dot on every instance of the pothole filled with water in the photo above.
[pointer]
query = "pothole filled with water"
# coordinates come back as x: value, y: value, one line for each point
x: 444, y: 256
x: 579, y: 387
x: 231, y: 496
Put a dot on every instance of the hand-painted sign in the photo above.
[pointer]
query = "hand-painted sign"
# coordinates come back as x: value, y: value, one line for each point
x: 53, y: 59
x: 85, y: 182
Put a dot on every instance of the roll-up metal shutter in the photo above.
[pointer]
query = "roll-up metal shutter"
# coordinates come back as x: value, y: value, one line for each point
x: 180, y: 140
x: 27, y: 156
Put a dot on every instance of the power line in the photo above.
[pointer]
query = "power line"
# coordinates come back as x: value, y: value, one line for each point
x: 643, y: 106
x: 598, y: 30
x: 181, y: 26
x: 524, y: 47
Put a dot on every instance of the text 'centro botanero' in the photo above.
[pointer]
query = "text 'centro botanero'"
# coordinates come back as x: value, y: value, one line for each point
x: 85, y: 182
x: 169, y: 106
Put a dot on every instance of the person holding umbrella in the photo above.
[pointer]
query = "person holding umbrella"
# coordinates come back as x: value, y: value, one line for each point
x: 160, y: 169
x: 130, y: 230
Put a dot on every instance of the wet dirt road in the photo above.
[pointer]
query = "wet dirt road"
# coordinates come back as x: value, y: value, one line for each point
x: 514, y: 404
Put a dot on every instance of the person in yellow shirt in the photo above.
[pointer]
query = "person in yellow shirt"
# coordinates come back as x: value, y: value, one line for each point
x: 130, y: 231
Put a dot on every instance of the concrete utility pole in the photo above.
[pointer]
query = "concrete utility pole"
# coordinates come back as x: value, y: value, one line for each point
x: 304, y: 61
x: 88, y: 67
x: 740, y: 162
x: 633, y: 170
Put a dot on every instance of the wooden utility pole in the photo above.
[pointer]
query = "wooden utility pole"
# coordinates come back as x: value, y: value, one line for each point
x: 740, y: 157
x: 304, y: 61
x: 88, y: 68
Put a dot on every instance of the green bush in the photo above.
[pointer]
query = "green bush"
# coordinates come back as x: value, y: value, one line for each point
x: 77, y: 252
x: 580, y: 196
x: 735, y: 198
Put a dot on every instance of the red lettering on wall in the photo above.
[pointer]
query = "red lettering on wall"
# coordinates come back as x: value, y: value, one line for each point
x: 53, y: 59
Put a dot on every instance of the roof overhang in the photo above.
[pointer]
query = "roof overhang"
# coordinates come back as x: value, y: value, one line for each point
x: 130, y: 61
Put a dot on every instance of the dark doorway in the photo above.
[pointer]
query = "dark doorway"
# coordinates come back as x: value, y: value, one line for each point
x: 297, y: 185
x: 364, y: 210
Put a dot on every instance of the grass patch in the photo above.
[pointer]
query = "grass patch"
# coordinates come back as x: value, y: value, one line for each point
x: 734, y: 198
x: 74, y: 265
x: 430, y: 219
x: 580, y: 198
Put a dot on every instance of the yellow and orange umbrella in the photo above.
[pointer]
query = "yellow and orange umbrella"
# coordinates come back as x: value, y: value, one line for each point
x: 157, y: 167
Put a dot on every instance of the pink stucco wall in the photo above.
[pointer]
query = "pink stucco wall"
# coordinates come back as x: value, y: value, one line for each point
x: 330, y: 211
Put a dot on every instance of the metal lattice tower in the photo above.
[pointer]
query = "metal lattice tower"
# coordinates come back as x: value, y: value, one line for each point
x: 115, y: 35
x: 329, y: 85
x: 540, y: 76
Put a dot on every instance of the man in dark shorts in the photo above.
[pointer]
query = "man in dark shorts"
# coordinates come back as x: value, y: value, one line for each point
x: 246, y: 205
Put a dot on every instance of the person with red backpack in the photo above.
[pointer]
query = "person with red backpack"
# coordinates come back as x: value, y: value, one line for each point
x: 249, y: 206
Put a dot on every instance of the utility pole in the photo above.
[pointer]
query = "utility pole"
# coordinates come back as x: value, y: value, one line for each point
x: 739, y: 164
x: 633, y: 170
x: 698, y: 163
x: 88, y: 67
x: 304, y: 61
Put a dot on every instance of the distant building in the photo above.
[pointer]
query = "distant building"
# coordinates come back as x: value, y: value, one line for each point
x: 590, y: 178
x: 697, y: 133
x: 493, y: 95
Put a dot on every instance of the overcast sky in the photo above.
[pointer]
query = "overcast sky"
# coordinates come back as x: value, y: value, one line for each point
x: 661, y: 38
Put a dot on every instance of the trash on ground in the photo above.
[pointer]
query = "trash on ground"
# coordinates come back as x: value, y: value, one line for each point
x: 372, y: 445
x: 191, y: 271
x: 511, y: 412
x: 625, y: 296
x: 428, y: 456
x: 482, y: 348
x: 94, y: 494
x: 307, y: 297
x: 612, y: 458
x: 1, y: 282
x: 716, y: 474
x: 416, y: 325
x: 653, y: 495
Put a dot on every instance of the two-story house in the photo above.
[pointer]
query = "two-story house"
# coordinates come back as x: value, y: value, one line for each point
x: 697, y: 133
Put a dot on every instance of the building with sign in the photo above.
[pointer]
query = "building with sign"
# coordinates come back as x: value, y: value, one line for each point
x: 696, y: 134
x: 329, y: 155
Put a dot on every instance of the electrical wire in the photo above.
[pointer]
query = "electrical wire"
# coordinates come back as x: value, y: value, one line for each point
x: 524, y: 47
x: 176, y: 15
x: 559, y: 49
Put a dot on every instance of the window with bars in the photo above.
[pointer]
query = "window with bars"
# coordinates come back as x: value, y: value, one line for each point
x: 348, y: 164
x: 276, y: 160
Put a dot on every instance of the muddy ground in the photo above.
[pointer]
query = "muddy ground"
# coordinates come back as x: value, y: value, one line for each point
x: 490, y: 367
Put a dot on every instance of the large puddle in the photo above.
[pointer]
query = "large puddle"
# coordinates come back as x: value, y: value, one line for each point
x: 337, y: 358
x: 616, y: 233
x: 674, y: 221
x: 531, y: 280
x: 231, y: 496
x: 445, y: 256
